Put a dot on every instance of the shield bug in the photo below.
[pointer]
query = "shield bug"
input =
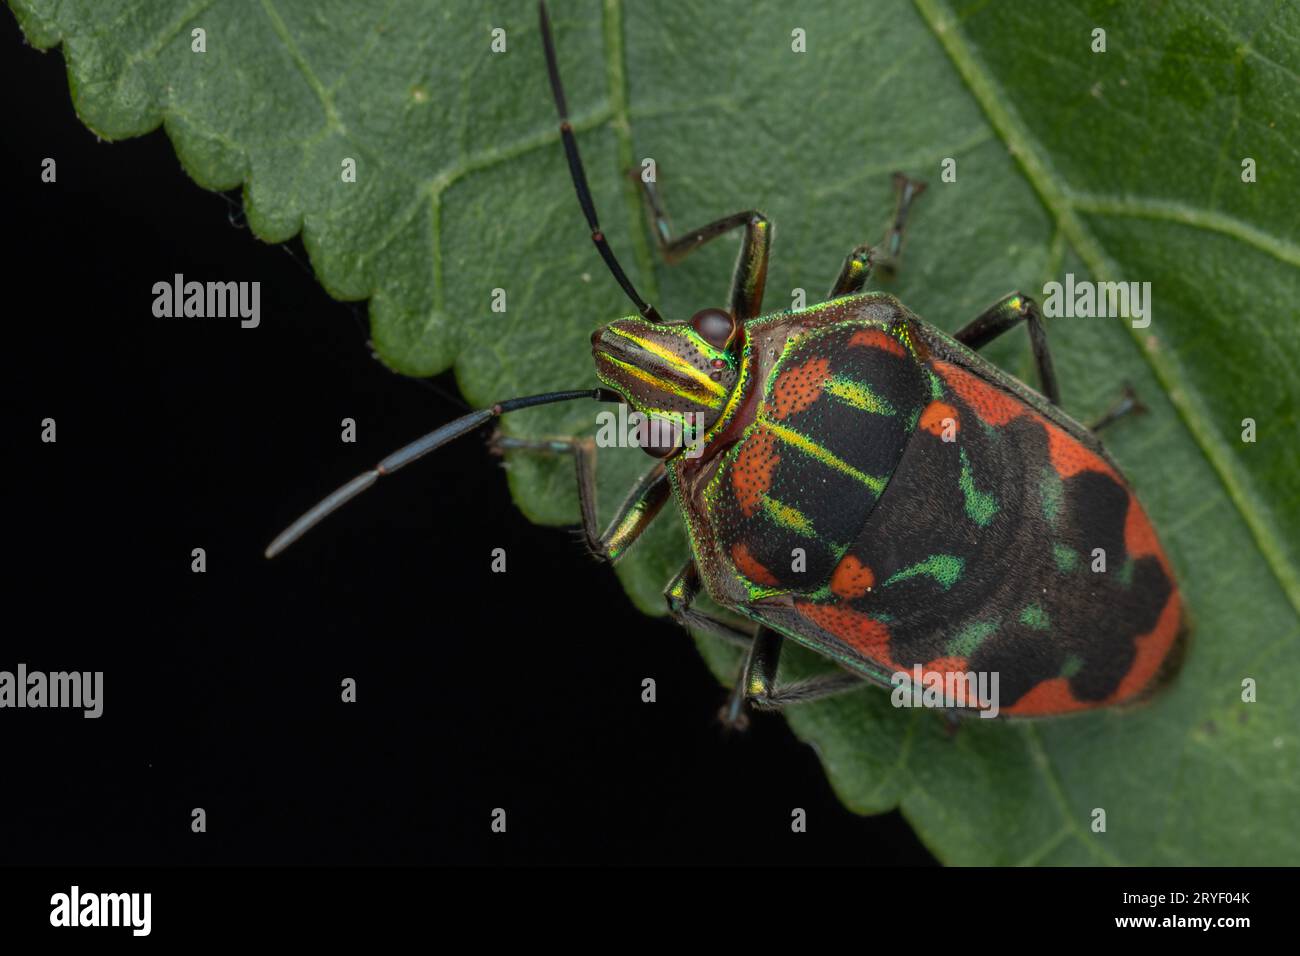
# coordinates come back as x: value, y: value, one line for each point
x: 865, y: 485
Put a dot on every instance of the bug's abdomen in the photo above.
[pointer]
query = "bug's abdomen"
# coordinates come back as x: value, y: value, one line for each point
x: 1013, y: 548
x: 836, y: 412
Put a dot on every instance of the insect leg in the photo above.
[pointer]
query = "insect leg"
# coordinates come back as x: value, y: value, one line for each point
x: 634, y: 515
x: 1127, y: 404
x: 751, y: 265
x: 860, y: 263
x: 680, y: 595
x: 854, y: 273
x: 1005, y: 314
x: 757, y: 681
x: 757, y: 684
x: 756, y: 678
x: 908, y: 190
x: 809, y: 689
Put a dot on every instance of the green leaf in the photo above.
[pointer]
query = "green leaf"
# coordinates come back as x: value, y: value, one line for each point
x: 1122, y: 165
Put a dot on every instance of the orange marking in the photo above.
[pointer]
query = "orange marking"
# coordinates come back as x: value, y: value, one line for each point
x: 751, y: 472
x: 797, y: 388
x: 991, y: 404
x: 1140, y: 538
x: 945, y: 665
x: 876, y: 339
x: 1070, y: 456
x: 1152, y: 649
x: 933, y: 416
x: 751, y: 567
x: 852, y: 578
x: 1052, y: 696
x: 864, y: 634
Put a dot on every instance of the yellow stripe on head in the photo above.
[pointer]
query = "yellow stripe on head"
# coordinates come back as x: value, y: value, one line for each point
x: 664, y: 385
x: 674, y: 360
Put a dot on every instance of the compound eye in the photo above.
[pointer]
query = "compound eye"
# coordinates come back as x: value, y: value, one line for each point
x: 714, y: 326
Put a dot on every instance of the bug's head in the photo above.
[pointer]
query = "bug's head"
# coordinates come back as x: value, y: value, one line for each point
x: 679, y: 372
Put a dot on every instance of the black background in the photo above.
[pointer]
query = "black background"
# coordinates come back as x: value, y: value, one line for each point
x: 222, y: 689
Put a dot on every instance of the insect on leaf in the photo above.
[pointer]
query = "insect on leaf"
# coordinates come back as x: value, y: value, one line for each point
x: 1122, y: 165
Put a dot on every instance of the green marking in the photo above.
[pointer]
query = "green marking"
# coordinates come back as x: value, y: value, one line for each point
x: 1067, y: 559
x: 944, y: 568
x: 1126, y: 573
x: 758, y: 592
x: 828, y: 304
x: 1052, y: 490
x: 980, y: 507
x: 788, y: 517
x: 970, y: 637
x: 936, y: 385
x: 1071, y: 666
x: 1035, y: 617
x: 859, y: 396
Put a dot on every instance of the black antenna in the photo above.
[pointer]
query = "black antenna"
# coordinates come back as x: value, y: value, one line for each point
x: 580, y: 177
x: 418, y: 449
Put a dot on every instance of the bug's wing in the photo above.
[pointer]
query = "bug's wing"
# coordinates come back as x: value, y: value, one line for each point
x: 943, y: 350
x: 1004, y: 543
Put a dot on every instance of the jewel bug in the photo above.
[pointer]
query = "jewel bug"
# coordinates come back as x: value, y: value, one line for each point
x: 865, y: 485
